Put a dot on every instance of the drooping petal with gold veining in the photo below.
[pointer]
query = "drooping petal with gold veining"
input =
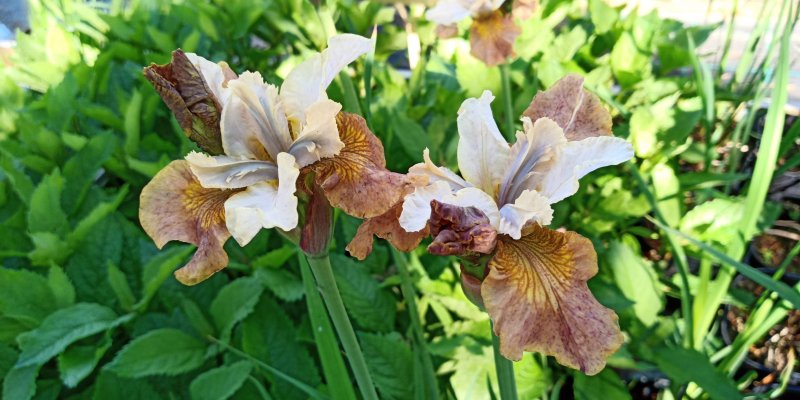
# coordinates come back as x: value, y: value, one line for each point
x: 536, y: 294
x: 174, y: 206
x: 385, y: 226
x: 196, y: 105
x: 492, y: 38
x: 356, y: 180
x: 576, y: 110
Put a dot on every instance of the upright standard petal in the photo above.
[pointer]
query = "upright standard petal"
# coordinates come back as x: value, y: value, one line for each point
x: 265, y: 204
x: 254, y: 124
x: 225, y: 172
x: 307, y: 82
x: 532, y: 155
x: 578, y: 159
x: 385, y: 226
x: 433, y: 173
x: 195, y: 105
x: 319, y: 137
x: 417, y: 206
x: 576, y: 110
x: 174, y: 206
x: 449, y: 12
x: 530, y: 207
x: 482, y: 152
x: 537, y: 297
x: 356, y: 180
x: 492, y: 37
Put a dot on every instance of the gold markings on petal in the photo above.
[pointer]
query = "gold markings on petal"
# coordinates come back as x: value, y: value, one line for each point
x: 536, y: 294
x: 492, y: 38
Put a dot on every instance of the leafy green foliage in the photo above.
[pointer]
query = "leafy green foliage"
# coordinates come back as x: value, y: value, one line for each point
x: 220, y: 383
x: 160, y: 352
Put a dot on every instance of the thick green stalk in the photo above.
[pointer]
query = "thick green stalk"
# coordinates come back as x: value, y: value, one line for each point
x: 505, y: 371
x: 509, y: 105
x: 326, y: 283
x: 332, y: 364
x: 431, y: 390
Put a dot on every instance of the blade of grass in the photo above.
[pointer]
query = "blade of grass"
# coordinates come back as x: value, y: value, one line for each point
x: 331, y: 357
x: 428, y: 374
x: 288, y: 378
x: 507, y: 101
x: 705, y: 85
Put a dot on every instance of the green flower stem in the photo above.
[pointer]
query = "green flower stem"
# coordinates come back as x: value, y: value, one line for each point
x: 326, y: 283
x: 505, y: 371
x: 430, y: 388
x: 509, y: 105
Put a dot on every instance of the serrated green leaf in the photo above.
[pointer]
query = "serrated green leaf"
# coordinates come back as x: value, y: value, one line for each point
x: 110, y: 386
x: 390, y: 363
x: 48, y: 249
x: 160, y: 352
x: 101, y: 211
x: 64, y: 327
x: 87, y: 267
x: 119, y: 284
x: 82, y: 168
x: 234, y: 303
x: 45, y: 213
x: 371, y: 307
x: 220, y: 383
x: 26, y: 296
x: 158, y: 270
x: 282, y: 283
x: 61, y: 287
x: 78, y: 361
x: 20, y: 383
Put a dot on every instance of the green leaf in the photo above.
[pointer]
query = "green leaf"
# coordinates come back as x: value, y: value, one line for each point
x: 20, y: 383
x: 390, y: 363
x: 372, y: 307
x: 61, y: 287
x: 220, y: 383
x: 410, y: 134
x: 133, y: 123
x: 532, y: 379
x: 281, y: 282
x: 26, y: 296
x: 90, y: 221
x: 82, y: 168
x: 158, y: 270
x: 78, y: 361
x: 638, y: 281
x: 234, y: 303
x: 160, y: 352
x: 686, y: 365
x: 628, y: 63
x: 64, y: 327
x: 45, y: 213
x: 110, y: 386
x: 119, y: 284
x: 606, y: 385
x: 603, y: 16
x: 48, y: 249
x: 668, y: 193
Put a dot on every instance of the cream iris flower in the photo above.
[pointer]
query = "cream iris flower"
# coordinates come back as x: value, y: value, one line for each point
x: 534, y: 283
x: 269, y: 134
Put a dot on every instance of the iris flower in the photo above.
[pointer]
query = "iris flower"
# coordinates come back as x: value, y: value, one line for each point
x: 534, y: 284
x: 493, y: 31
x: 262, y: 142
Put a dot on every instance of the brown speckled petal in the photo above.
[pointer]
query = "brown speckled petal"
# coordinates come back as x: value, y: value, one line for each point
x: 576, y: 110
x: 385, y: 226
x: 460, y: 230
x: 356, y: 180
x: 492, y: 38
x: 536, y: 294
x: 173, y: 206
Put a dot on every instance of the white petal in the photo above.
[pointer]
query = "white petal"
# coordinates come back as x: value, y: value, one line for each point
x: 435, y: 173
x: 319, y: 138
x: 482, y: 152
x: 307, y: 82
x: 264, y: 205
x: 225, y: 172
x: 578, y: 159
x: 533, y: 153
x: 253, y: 119
x: 417, y: 206
x: 529, y: 207
x: 448, y: 12
x: 212, y: 74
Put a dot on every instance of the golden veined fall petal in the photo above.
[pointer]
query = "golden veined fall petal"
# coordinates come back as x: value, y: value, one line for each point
x: 536, y: 294
x: 174, y: 206
x: 576, y: 110
x: 492, y: 38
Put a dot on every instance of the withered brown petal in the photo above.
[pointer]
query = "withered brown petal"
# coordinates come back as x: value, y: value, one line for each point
x: 576, y: 110
x: 316, y: 233
x: 537, y: 296
x: 447, y: 31
x: 385, y: 226
x: 460, y: 230
x: 186, y: 93
x: 356, y: 180
x: 492, y: 38
x: 173, y: 206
